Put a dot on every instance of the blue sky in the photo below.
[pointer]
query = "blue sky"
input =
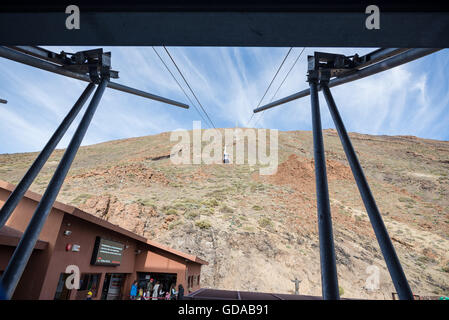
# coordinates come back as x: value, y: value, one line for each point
x: 412, y: 99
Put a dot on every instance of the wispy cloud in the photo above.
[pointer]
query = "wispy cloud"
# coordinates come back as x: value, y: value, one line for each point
x: 411, y: 99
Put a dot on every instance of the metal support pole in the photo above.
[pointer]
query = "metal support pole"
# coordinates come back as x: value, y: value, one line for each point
x: 386, y: 246
x: 20, y: 57
x: 26, y: 245
x: 384, y: 65
x: 33, y: 171
x: 329, y: 281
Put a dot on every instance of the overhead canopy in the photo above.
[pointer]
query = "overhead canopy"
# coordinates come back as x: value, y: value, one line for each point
x: 227, y: 23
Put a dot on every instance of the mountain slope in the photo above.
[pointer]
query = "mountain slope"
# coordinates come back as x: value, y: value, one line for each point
x: 259, y: 232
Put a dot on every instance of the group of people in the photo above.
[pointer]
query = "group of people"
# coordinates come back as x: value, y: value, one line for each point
x: 155, y: 291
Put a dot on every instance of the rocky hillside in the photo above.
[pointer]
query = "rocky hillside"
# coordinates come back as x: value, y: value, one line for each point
x: 259, y: 232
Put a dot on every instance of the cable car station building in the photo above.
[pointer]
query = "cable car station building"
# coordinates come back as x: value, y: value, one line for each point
x: 109, y: 258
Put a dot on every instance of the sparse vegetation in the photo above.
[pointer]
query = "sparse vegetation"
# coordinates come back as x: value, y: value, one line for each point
x: 174, y: 224
x: 210, y: 203
x: 190, y: 203
x: 191, y: 214
x: 146, y: 203
x: 175, y: 185
x: 169, y: 210
x: 221, y: 193
x: 81, y: 198
x: 203, y: 224
x: 255, y: 217
x: 424, y: 259
x: 265, y: 222
x: 257, y: 187
x: 410, y: 200
x: 207, y: 211
x: 226, y: 209
x: 180, y: 206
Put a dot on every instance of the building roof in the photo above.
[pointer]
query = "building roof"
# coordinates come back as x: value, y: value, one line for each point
x: 216, y: 294
x: 178, y: 253
x: 74, y: 211
x: 11, y: 237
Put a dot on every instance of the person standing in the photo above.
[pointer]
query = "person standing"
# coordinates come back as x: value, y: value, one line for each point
x: 133, y: 293
x: 173, y: 292
x: 156, y: 290
x: 167, y: 295
x: 180, y: 292
x: 161, y: 291
x: 140, y: 294
x: 225, y: 156
x: 150, y: 286
x: 296, y: 281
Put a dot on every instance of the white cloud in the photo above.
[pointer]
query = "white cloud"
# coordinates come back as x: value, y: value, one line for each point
x: 411, y: 99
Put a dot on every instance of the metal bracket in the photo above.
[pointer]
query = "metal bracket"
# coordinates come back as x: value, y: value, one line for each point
x: 95, y: 63
x: 322, y: 65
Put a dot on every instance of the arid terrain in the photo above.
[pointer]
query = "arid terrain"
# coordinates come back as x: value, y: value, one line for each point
x: 260, y: 232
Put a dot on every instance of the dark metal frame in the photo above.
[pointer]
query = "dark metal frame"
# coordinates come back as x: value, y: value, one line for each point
x: 23, y: 251
x: 384, y: 62
x: 327, y: 252
x: 13, y: 200
x: 93, y: 66
x: 386, y: 246
x: 27, y: 58
x: 323, y: 67
x: 225, y: 23
x: 98, y: 67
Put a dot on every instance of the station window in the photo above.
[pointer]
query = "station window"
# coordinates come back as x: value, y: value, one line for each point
x: 62, y: 293
x: 90, y: 281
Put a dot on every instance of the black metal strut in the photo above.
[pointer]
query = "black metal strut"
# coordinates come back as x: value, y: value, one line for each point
x: 93, y: 66
x: 23, y: 251
x: 12, y: 53
x: 386, y: 246
x: 321, y: 68
x: 33, y: 171
x: 329, y: 280
x: 386, y: 62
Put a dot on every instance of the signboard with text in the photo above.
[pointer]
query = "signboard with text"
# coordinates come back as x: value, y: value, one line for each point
x: 107, y: 252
